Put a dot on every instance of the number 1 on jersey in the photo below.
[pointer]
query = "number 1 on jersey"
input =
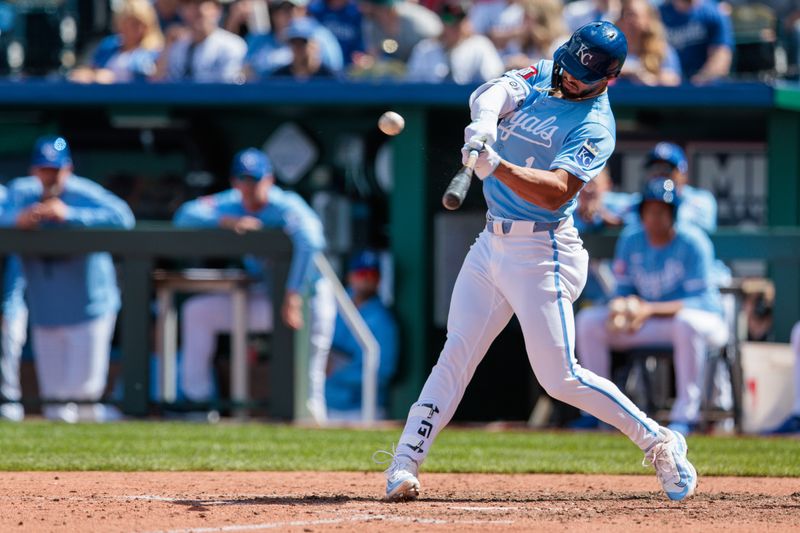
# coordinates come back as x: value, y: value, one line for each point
x: 529, y: 162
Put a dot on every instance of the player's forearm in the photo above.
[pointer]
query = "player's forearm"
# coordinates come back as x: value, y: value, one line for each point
x: 665, y: 309
x: 718, y: 65
x: 545, y: 188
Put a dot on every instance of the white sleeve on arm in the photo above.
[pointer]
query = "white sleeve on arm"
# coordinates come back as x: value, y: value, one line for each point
x: 498, y: 97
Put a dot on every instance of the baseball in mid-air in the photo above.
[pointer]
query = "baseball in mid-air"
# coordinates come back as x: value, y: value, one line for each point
x: 391, y: 123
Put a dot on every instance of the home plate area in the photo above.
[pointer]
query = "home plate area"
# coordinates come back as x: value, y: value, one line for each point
x: 350, y: 501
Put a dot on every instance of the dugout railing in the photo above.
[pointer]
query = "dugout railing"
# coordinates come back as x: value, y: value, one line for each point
x: 136, y: 251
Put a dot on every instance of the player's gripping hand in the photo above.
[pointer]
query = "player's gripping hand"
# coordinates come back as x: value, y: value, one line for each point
x: 292, y: 310
x: 485, y: 127
x: 241, y: 225
x: 488, y: 159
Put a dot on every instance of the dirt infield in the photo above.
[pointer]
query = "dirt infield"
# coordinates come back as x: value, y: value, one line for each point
x: 314, y: 501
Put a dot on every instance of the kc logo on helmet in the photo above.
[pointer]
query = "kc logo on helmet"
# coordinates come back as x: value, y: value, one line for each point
x: 584, y: 55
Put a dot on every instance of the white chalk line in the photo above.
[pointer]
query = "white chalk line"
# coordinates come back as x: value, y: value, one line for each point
x: 482, y: 509
x: 332, y: 521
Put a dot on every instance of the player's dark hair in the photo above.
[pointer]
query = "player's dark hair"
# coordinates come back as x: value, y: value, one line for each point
x: 555, y: 80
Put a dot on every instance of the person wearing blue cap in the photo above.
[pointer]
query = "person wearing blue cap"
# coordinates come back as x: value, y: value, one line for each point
x: 268, y: 52
x: 254, y: 202
x: 665, y: 296
x: 343, y: 387
x: 698, y: 206
x: 306, y: 60
x: 73, y: 300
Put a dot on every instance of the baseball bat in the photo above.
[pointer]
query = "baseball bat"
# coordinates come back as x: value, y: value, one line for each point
x: 459, y: 186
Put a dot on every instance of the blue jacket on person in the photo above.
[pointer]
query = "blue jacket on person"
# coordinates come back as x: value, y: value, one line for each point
x: 285, y: 210
x: 68, y: 290
x: 343, y: 386
x: 345, y: 24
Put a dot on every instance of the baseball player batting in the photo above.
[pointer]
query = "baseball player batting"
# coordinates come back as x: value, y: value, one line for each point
x: 542, y: 133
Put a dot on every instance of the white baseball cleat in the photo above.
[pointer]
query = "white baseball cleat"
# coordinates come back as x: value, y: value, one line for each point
x: 401, y: 477
x: 677, y: 475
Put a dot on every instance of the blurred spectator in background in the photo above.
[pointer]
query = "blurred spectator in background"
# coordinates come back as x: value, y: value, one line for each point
x: 343, y: 388
x: 248, y: 17
x: 343, y: 19
x: 664, y: 296
x: 529, y: 30
x: 130, y: 54
x: 73, y: 300
x: 457, y: 55
x: 581, y: 12
x: 698, y: 206
x: 701, y: 34
x: 168, y: 14
x: 13, y: 332
x: 306, y: 58
x: 484, y: 14
x: 792, y: 424
x: 205, y: 53
x: 391, y: 30
x: 270, y: 51
x: 651, y: 60
x: 255, y: 202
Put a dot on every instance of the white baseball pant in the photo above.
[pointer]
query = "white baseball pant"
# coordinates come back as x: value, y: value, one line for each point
x: 72, y: 364
x: 205, y: 316
x: 537, y: 276
x: 796, y: 348
x: 14, y: 332
x: 691, y: 333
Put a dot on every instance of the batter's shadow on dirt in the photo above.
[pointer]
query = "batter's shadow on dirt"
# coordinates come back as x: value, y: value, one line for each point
x: 318, y: 500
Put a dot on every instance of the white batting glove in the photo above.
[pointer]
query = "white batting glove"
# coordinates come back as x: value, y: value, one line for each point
x: 487, y: 161
x: 486, y: 128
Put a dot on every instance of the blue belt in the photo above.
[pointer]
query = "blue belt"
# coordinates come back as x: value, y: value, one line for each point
x: 506, y: 226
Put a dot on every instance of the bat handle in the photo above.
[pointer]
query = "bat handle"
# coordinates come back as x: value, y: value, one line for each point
x: 459, y: 186
x: 472, y: 159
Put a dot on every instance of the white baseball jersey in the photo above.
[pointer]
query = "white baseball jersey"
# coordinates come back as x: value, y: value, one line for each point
x: 548, y: 133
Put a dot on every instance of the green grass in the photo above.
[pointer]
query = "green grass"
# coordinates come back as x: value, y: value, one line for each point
x: 146, y: 446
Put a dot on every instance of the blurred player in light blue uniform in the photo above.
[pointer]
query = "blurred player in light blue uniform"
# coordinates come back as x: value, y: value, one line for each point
x: 13, y: 333
x: 255, y: 202
x: 343, y: 388
x: 698, y: 206
x: 666, y: 268
x: 73, y: 300
x: 555, y: 133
